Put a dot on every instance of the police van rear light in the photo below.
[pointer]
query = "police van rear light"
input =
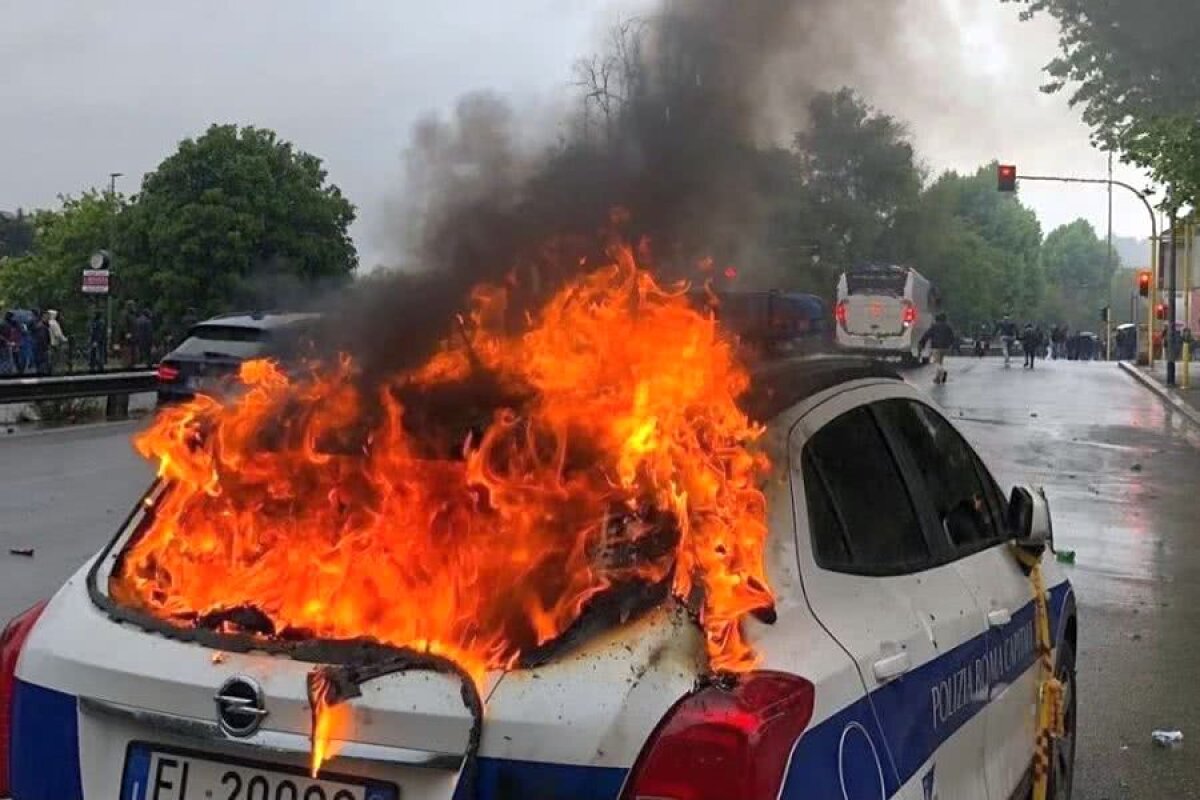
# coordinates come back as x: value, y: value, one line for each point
x: 11, y: 641
x: 724, y: 743
x: 910, y: 314
x: 840, y: 313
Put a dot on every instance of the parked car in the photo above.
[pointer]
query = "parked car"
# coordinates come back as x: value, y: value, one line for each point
x: 775, y: 322
x: 214, y: 349
x: 901, y: 663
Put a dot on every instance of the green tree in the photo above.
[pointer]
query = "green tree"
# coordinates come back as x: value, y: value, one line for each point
x: 1078, y: 275
x: 16, y: 234
x: 979, y: 247
x: 1132, y: 66
x: 49, y: 276
x: 858, y: 174
x: 233, y: 217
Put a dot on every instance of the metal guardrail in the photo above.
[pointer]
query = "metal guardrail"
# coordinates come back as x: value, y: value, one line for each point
x: 66, y: 387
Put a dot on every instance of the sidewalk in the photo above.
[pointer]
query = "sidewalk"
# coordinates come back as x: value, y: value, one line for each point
x: 1185, y: 401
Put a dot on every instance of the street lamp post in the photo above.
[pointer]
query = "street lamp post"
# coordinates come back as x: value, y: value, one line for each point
x: 108, y: 309
x: 1109, y: 182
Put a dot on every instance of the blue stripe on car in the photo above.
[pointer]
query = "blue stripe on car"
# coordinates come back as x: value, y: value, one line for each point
x: 843, y: 756
x: 44, y: 751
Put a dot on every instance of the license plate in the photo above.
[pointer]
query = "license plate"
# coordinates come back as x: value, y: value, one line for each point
x: 197, y: 384
x: 167, y: 774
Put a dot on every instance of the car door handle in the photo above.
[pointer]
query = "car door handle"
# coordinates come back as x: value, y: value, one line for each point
x: 892, y: 667
x: 999, y: 617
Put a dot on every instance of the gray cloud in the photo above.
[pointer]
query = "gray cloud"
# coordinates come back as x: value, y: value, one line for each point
x: 92, y: 88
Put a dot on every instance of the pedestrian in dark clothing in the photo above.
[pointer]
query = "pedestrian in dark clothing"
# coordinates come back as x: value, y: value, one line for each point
x: 125, y: 331
x: 1030, y: 341
x: 25, y: 348
x: 10, y: 344
x: 97, y: 343
x: 39, y: 333
x: 143, y: 336
x: 941, y: 339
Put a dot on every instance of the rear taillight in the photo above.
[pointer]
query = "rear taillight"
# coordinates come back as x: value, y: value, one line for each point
x: 839, y: 312
x: 166, y: 373
x: 910, y: 314
x: 725, y: 743
x: 11, y: 642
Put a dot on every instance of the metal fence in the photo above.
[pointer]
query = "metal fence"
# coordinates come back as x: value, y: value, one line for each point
x: 66, y: 387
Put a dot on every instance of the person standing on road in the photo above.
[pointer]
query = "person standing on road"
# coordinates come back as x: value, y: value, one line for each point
x: 60, y: 353
x: 1006, y: 329
x: 125, y: 335
x: 941, y: 339
x: 143, y: 336
x: 97, y: 343
x: 39, y: 333
x: 10, y: 343
x: 1030, y: 341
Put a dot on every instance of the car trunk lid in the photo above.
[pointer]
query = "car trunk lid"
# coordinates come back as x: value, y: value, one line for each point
x: 875, y: 315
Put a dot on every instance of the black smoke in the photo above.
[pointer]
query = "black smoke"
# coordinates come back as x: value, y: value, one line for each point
x: 669, y: 121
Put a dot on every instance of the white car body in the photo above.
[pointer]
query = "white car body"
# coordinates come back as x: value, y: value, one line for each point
x: 884, y: 311
x: 925, y: 681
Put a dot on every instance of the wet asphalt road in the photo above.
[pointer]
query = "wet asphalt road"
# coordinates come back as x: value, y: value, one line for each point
x: 1121, y: 470
x: 1123, y: 476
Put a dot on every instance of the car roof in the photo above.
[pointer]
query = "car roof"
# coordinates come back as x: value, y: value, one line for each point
x: 263, y: 320
x: 778, y: 385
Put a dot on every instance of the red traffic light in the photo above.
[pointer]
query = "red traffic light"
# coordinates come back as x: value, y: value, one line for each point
x: 1160, y: 311
x: 1006, y: 178
x: 1143, y: 280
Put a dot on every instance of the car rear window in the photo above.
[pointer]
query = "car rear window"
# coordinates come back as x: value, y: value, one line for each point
x: 891, y: 282
x: 861, y: 517
x: 236, y: 341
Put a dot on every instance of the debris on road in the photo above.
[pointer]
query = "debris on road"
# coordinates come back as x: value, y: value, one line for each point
x: 21, y: 551
x: 1065, y: 556
x: 1136, y: 467
x: 1168, y: 739
x: 218, y: 657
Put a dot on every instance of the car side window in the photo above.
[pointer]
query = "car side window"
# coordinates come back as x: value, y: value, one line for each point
x: 861, y: 517
x: 950, y: 470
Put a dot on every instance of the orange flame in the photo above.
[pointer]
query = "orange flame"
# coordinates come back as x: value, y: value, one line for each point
x: 330, y: 723
x: 342, y: 515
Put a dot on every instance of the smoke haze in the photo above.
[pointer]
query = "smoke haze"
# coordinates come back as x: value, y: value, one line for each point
x: 669, y: 109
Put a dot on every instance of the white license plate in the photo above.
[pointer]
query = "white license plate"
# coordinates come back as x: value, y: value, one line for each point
x: 152, y: 774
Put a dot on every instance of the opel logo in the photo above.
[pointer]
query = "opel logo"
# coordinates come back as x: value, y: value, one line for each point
x: 240, y: 706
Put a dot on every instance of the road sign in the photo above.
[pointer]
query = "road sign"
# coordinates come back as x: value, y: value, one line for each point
x: 95, y: 281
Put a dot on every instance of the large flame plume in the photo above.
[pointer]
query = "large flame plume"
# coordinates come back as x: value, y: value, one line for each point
x: 608, y: 424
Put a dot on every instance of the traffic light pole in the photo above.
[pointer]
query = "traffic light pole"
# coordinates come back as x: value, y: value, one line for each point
x: 1109, y: 182
x: 1172, y: 290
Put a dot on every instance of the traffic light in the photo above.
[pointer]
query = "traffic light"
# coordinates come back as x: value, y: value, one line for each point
x: 1006, y: 178
x: 1143, y: 279
x: 1104, y: 314
x: 1160, y: 311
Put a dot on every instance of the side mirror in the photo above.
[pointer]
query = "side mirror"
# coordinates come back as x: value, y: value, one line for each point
x: 1029, y: 517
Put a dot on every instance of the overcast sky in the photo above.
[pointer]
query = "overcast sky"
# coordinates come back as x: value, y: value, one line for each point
x: 91, y: 88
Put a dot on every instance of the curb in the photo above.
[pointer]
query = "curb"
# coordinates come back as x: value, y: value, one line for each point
x: 1165, y: 394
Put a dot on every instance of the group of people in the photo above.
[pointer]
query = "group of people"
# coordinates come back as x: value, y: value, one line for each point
x: 1035, y: 342
x: 32, y: 342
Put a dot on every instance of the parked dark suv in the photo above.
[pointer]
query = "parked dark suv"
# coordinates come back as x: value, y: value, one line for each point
x: 213, y: 350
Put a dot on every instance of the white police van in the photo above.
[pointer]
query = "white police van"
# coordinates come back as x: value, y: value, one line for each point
x: 883, y: 310
x: 901, y: 661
